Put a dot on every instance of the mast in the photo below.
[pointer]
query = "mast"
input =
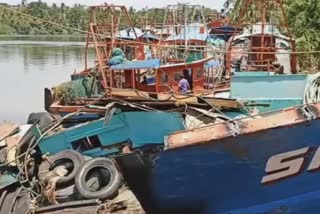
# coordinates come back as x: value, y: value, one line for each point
x: 105, y: 22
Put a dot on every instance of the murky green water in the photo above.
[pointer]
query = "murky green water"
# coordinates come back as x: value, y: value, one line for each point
x: 28, y: 65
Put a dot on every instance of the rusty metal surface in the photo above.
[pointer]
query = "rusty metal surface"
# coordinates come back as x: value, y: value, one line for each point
x: 286, y: 117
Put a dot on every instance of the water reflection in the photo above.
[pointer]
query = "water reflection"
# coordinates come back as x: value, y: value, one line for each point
x: 27, y: 67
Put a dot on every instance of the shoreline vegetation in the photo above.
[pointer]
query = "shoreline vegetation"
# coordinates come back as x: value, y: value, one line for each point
x: 44, y: 35
x: 75, y: 17
x: 303, y: 18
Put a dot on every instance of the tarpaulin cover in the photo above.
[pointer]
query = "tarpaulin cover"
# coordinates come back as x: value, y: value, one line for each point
x: 212, y: 64
x: 139, y: 64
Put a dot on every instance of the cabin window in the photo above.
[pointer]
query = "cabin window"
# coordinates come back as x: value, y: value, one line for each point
x: 176, y: 76
x: 198, y: 73
x: 165, y: 78
x: 86, y: 144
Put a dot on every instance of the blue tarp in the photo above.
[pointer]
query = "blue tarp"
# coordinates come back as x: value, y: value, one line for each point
x: 212, y: 64
x: 139, y: 64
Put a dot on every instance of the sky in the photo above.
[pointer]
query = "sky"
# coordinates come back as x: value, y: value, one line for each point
x: 137, y: 4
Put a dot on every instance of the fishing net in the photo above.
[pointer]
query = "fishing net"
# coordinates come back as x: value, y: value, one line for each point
x: 117, y: 57
x: 79, y: 88
x: 117, y: 52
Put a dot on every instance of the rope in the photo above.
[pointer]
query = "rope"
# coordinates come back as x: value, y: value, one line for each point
x: 312, y: 89
x: 144, y: 43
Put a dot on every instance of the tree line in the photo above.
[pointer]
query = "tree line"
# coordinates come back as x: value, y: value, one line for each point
x: 76, y: 17
x: 13, y: 23
x: 303, y: 18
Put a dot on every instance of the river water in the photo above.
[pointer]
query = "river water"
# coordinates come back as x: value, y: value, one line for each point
x: 28, y: 65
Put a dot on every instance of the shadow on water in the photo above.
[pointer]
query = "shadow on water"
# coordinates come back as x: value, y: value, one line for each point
x: 28, y: 66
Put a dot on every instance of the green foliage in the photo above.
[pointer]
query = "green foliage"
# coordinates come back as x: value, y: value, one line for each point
x: 304, y: 22
x: 12, y: 23
x: 76, y: 17
x: 6, y: 29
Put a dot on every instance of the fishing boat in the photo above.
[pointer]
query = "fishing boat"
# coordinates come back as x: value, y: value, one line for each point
x: 265, y: 164
x: 261, y: 64
x: 123, y: 70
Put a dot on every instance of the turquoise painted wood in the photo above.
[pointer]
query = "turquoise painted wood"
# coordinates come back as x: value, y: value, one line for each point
x: 253, y: 73
x: 139, y: 128
x: 269, y: 92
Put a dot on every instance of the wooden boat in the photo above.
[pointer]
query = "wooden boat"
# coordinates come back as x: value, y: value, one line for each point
x: 265, y: 164
x: 125, y: 80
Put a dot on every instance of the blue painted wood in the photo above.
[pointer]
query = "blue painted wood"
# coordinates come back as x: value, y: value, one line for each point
x: 225, y: 176
x: 253, y: 73
x: 278, y: 91
x: 275, y: 86
x: 140, y: 128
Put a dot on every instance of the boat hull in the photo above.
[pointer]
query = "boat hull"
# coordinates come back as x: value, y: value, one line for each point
x: 228, y: 175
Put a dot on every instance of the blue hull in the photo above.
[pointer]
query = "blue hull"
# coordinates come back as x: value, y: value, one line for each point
x: 225, y: 176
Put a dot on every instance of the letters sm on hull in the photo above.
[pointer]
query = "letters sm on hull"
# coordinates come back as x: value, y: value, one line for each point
x: 271, y: 166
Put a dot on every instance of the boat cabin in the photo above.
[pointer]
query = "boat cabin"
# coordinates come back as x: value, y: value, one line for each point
x: 261, y: 48
x: 151, y: 76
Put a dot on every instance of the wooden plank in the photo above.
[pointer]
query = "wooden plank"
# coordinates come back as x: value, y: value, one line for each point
x: 68, y: 205
x: 223, y: 103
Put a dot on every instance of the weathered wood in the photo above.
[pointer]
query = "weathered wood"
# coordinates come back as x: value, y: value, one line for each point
x: 3, y: 195
x: 68, y: 205
x: 124, y: 203
x: 22, y: 205
x: 223, y: 103
x: 9, y: 201
x: 75, y: 210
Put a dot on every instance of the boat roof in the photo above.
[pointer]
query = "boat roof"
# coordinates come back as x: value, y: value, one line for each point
x: 138, y: 64
x: 129, y: 34
x: 183, y: 63
x: 154, y: 64
x: 190, y: 32
x: 256, y: 29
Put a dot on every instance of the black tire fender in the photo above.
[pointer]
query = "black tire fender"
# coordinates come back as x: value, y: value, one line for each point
x: 70, y: 155
x: 107, y: 191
